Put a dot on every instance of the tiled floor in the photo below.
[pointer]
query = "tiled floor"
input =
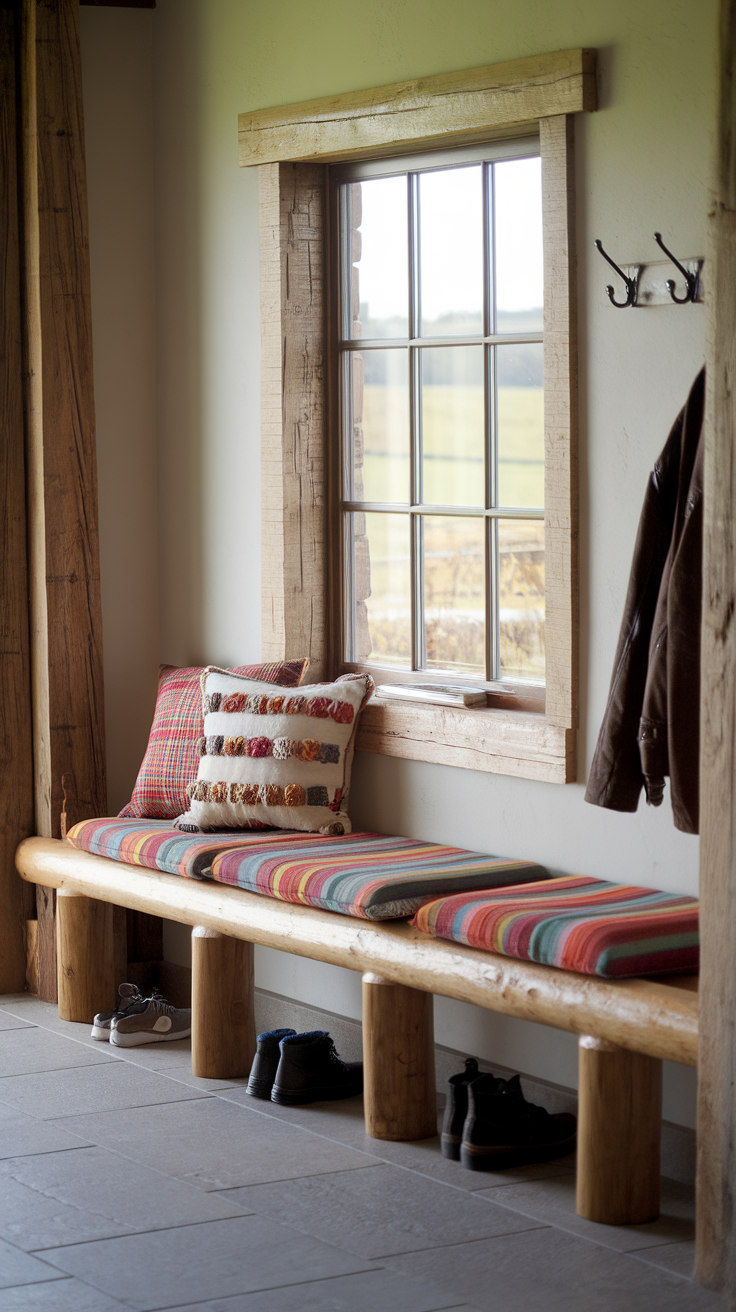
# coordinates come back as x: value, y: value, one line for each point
x: 127, y: 1183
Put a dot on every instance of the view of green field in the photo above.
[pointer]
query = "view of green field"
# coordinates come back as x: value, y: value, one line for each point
x: 454, y: 548
x: 453, y: 431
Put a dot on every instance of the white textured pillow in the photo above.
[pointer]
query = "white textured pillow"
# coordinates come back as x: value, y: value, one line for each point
x: 275, y: 757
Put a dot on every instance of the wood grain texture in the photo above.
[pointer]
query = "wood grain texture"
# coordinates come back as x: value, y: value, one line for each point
x: 223, y: 1019
x: 292, y: 200
x: 513, y: 742
x: 76, y: 703
x: 87, y: 981
x: 66, y: 630
x: 716, y: 1170
x: 560, y: 422
x: 399, y: 1092
x: 619, y: 1130
x: 447, y: 109
x: 16, y: 746
x: 642, y: 1015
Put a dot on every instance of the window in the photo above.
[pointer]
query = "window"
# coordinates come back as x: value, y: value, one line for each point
x: 439, y: 361
x: 303, y: 483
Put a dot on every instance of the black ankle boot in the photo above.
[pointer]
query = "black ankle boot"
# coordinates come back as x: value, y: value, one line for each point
x: 456, y: 1109
x: 265, y: 1063
x: 503, y: 1129
x: 311, y: 1071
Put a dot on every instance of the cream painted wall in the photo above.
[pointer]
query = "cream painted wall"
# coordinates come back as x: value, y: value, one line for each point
x: 642, y: 165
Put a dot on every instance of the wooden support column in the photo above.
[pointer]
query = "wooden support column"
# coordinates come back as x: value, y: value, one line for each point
x: 292, y: 218
x: 66, y: 628
x: 223, y: 1019
x: 398, y: 1060
x: 716, y: 1171
x: 619, y: 1129
x: 16, y: 748
x: 87, y: 982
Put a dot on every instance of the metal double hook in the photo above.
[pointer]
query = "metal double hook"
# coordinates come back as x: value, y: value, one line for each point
x: 632, y: 282
x: 691, y: 279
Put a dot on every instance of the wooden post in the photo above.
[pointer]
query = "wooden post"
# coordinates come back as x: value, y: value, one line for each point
x: 64, y: 583
x: 716, y: 1171
x: 398, y: 1059
x: 619, y: 1129
x: 16, y: 748
x: 87, y: 982
x: 223, y: 1019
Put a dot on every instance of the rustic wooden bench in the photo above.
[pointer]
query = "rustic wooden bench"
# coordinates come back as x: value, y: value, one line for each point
x: 626, y: 1027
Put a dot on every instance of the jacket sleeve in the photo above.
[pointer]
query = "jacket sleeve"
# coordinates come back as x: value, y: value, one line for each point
x: 616, y: 777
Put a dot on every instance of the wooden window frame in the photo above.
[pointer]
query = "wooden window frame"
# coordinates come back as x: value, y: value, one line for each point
x: 292, y: 146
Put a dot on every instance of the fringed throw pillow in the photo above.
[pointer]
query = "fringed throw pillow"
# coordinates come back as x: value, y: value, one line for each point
x: 272, y: 759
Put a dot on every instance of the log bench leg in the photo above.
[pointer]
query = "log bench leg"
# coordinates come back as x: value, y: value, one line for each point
x: 619, y: 1126
x: 85, y: 957
x: 223, y: 1020
x: 398, y: 1061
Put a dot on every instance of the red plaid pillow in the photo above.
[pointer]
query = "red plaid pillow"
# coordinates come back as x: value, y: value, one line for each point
x: 172, y: 755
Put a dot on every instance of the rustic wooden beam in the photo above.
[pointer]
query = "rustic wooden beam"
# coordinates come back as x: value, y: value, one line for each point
x: 716, y: 1174
x: 16, y: 747
x: 449, y: 109
x: 557, y: 140
x: 292, y: 221
x: 66, y: 626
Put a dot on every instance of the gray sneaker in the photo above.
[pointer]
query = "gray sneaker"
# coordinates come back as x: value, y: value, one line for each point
x: 128, y: 997
x: 156, y: 1021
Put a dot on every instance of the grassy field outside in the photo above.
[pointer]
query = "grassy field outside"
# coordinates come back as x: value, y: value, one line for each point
x: 454, y: 564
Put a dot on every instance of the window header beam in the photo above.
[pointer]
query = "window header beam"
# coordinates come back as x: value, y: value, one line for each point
x: 451, y: 108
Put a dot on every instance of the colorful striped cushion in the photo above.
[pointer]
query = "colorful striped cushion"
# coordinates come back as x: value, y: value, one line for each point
x: 371, y: 876
x: 172, y: 755
x: 588, y: 925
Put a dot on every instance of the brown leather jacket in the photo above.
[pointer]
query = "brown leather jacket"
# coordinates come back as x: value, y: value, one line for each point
x: 651, y: 725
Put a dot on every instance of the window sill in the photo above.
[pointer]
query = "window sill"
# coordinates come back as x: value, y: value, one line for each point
x: 516, y: 743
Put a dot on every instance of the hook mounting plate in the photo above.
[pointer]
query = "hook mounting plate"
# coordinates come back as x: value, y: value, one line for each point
x: 653, y: 279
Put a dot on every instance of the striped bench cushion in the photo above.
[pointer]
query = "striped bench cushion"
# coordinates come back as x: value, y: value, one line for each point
x: 372, y: 876
x: 587, y: 925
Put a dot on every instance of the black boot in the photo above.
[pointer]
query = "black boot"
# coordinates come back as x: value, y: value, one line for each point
x: 265, y: 1063
x: 311, y: 1071
x: 456, y: 1109
x: 503, y: 1129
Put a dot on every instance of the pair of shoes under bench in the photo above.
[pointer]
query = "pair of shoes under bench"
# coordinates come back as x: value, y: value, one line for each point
x: 489, y: 1125
x: 139, y: 1020
x: 293, y: 1069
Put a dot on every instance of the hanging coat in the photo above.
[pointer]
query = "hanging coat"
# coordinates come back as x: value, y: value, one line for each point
x: 651, y: 726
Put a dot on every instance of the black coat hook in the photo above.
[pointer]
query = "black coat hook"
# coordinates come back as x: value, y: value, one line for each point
x: 691, y: 279
x: 632, y: 284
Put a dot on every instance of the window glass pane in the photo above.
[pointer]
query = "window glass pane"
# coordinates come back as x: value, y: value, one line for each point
x: 380, y: 392
x: 382, y: 572
x: 378, y: 217
x: 453, y: 425
x: 520, y: 382
x: 521, y: 598
x: 451, y: 252
x: 454, y: 593
x: 519, y: 266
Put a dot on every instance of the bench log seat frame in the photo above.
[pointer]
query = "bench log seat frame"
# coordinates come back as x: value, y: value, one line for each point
x: 625, y: 1027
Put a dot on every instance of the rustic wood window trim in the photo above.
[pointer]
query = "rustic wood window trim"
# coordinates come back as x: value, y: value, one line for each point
x: 292, y: 145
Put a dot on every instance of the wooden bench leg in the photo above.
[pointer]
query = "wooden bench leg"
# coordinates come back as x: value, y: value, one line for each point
x: 223, y: 1020
x: 85, y: 957
x: 398, y: 1061
x: 619, y: 1127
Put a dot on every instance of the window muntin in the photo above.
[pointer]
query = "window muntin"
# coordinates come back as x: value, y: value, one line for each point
x: 442, y: 414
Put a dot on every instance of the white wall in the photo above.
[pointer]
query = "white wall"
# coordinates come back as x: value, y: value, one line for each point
x: 642, y: 165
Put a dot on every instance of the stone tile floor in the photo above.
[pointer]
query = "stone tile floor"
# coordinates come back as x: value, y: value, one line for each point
x: 127, y: 1183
